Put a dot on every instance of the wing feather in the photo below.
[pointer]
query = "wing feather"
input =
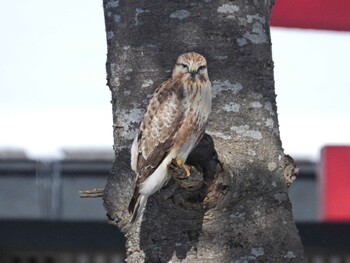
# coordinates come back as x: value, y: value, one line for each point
x: 163, y: 118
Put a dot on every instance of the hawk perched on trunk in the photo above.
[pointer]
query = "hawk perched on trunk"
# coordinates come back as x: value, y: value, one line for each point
x: 173, y: 124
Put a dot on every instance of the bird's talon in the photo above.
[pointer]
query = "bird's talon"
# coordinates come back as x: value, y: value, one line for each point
x: 187, y: 169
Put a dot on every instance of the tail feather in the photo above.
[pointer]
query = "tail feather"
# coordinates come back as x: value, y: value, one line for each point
x: 133, y: 200
x: 136, y: 205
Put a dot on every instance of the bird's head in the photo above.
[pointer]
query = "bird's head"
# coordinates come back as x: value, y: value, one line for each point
x: 192, y: 65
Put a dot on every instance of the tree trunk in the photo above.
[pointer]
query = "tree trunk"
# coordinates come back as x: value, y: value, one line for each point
x: 235, y: 208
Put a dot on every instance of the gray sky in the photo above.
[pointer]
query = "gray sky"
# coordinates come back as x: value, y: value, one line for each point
x: 53, y: 92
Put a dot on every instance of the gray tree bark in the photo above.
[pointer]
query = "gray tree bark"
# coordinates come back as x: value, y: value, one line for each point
x: 234, y: 208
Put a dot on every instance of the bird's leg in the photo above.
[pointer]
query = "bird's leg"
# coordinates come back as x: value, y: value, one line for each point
x: 187, y: 168
x: 179, y: 162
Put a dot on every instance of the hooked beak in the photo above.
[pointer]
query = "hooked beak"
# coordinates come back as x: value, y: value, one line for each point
x: 193, y: 71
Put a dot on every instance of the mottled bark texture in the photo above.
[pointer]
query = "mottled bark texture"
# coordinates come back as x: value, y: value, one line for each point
x: 234, y: 211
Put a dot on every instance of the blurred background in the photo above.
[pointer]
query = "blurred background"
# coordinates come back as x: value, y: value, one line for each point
x: 56, y: 128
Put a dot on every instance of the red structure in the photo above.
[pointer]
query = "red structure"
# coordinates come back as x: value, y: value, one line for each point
x: 334, y: 182
x: 313, y: 14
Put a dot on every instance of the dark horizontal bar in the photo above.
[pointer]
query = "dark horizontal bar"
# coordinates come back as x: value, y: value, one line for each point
x: 25, y: 234
x: 55, y: 235
x: 335, y: 235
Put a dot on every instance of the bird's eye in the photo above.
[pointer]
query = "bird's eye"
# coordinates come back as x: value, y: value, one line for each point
x: 201, y: 68
x: 184, y: 66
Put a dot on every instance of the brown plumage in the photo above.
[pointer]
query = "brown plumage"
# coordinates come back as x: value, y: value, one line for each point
x: 174, y: 121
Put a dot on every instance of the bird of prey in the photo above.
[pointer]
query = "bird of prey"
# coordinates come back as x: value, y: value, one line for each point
x: 173, y: 124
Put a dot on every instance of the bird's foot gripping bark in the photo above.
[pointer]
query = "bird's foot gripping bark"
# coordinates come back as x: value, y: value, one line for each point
x: 181, y: 175
x: 185, y: 167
